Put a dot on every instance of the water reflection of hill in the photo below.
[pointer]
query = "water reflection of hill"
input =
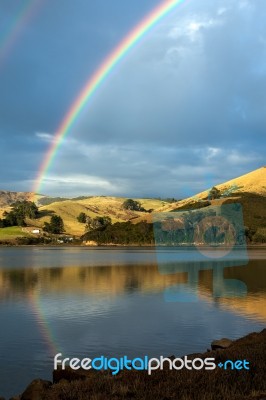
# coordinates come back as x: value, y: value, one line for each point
x: 87, y: 280
x: 255, y: 277
x: 115, y: 280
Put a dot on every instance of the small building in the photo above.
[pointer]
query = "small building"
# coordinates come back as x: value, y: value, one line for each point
x: 36, y: 231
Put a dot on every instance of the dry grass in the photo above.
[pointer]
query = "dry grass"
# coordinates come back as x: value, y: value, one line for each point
x: 2, y: 210
x: 218, y: 384
x: 251, y: 193
x: 254, y: 183
x: 94, y: 206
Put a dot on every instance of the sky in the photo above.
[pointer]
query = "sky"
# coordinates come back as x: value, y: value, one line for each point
x: 183, y: 111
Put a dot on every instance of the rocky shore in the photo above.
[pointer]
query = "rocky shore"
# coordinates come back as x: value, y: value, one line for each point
x: 218, y: 384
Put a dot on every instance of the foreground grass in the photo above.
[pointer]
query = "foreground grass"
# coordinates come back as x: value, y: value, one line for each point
x: 218, y: 384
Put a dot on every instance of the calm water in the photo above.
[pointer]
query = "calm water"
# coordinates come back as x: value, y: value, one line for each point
x: 89, y: 302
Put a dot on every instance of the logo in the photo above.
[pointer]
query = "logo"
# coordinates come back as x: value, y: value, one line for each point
x: 146, y: 364
x: 210, y: 238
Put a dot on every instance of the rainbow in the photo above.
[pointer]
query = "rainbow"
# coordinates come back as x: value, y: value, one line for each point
x: 97, y: 79
x: 42, y: 322
x: 26, y: 12
x: 67, y: 123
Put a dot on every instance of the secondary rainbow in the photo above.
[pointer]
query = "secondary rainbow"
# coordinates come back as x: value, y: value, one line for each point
x: 26, y: 11
x: 97, y: 79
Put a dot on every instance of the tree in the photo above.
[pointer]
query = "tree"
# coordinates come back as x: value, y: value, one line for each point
x: 3, y: 223
x: 55, y: 226
x: 20, y: 210
x: 132, y: 205
x: 97, y: 223
x: 214, y: 193
x: 25, y: 209
x: 260, y: 236
x: 82, y: 218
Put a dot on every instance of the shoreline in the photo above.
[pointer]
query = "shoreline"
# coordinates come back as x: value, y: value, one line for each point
x: 133, y: 245
x: 218, y: 384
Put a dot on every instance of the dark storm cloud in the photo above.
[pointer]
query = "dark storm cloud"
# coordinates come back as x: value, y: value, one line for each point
x: 50, y: 55
x: 190, y: 100
x: 19, y: 161
x: 136, y: 171
x: 184, y: 103
x: 198, y: 82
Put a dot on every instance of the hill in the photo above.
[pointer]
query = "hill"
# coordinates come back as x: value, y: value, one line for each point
x: 253, y: 182
x: 69, y: 209
x: 249, y: 190
x: 93, y: 207
x: 7, y: 197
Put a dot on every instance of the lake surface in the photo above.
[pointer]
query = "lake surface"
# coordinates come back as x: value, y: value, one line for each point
x: 88, y: 302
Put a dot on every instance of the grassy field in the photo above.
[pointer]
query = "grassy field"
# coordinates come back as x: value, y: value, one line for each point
x: 12, y: 233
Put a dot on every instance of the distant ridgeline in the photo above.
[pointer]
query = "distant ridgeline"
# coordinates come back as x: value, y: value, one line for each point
x: 46, y: 200
x: 7, y: 198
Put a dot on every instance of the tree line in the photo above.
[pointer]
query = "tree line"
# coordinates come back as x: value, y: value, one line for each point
x: 124, y: 233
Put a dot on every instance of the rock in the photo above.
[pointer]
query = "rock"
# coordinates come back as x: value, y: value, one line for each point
x: 36, y: 390
x: 223, y: 343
